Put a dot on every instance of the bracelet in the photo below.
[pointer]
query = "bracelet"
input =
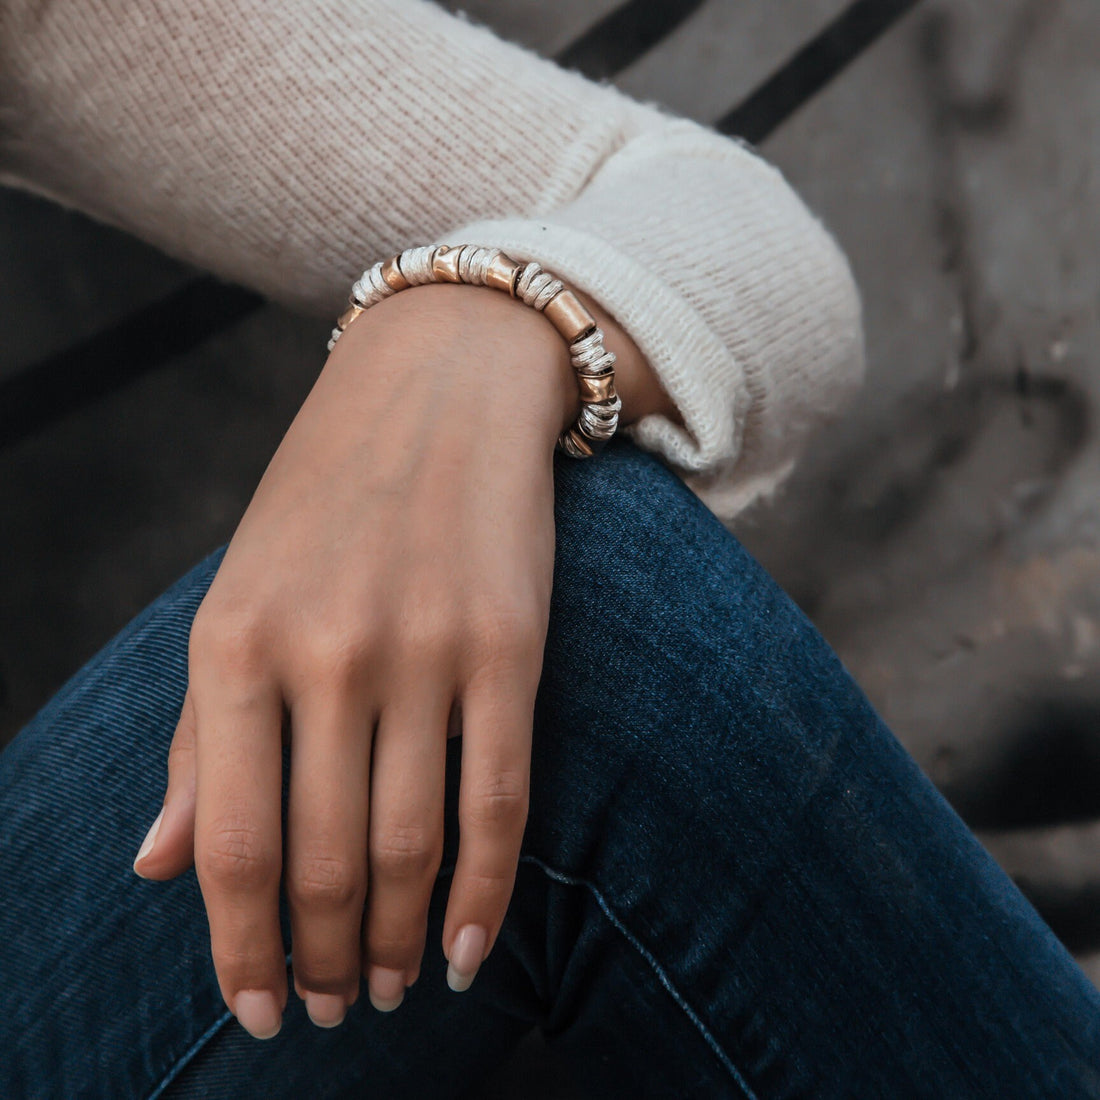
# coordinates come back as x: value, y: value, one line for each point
x: 479, y: 266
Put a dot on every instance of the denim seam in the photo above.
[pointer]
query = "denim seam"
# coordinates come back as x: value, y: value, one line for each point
x: 190, y: 1053
x: 194, y: 1049
x: 658, y: 970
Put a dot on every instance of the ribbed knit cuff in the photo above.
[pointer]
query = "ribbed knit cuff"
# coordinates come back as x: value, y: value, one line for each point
x: 694, y: 366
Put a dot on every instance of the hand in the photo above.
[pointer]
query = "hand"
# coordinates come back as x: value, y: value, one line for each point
x: 393, y: 569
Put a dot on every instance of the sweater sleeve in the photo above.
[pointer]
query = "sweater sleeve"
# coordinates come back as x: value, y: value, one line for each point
x: 287, y: 144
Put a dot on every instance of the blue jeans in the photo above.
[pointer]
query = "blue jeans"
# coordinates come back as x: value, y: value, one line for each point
x: 734, y: 881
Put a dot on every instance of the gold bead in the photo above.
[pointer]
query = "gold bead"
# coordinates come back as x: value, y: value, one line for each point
x: 502, y: 273
x: 596, y: 388
x: 391, y: 273
x: 445, y: 264
x: 576, y: 445
x: 568, y: 316
x: 348, y: 316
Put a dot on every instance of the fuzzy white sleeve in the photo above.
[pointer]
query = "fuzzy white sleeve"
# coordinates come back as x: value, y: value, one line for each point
x: 287, y: 144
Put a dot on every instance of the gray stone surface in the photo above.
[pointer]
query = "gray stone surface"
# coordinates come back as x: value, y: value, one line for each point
x: 954, y: 515
x: 944, y: 533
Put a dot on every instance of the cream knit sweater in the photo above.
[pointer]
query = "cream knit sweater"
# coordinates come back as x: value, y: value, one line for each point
x: 288, y: 144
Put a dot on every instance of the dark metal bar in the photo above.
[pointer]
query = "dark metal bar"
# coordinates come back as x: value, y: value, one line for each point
x: 621, y: 37
x: 818, y: 62
x: 79, y: 375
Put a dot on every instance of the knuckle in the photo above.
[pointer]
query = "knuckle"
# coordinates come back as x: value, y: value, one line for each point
x: 406, y: 852
x: 390, y: 949
x: 181, y: 752
x: 487, y: 888
x: 399, y: 945
x: 325, y: 971
x: 242, y: 958
x: 229, y: 638
x: 499, y: 801
x: 247, y: 965
x: 243, y: 965
x: 505, y: 638
x: 327, y: 881
x: 237, y: 856
x: 430, y: 642
x: 337, y: 656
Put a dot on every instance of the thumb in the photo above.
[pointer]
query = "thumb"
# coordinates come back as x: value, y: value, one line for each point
x: 169, y: 846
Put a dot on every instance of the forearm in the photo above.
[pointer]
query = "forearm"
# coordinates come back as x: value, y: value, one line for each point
x: 286, y: 144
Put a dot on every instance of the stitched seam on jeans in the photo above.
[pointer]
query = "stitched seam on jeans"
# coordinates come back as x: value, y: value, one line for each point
x: 658, y: 970
x: 194, y: 1049
x: 190, y: 1053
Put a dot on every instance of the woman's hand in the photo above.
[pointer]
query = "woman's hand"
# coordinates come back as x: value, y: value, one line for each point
x: 393, y: 569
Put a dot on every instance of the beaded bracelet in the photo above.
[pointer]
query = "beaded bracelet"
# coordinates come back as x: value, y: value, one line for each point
x: 479, y: 266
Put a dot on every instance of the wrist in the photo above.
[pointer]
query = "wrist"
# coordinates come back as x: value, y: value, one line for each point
x: 534, y: 338
x: 520, y: 367
x: 549, y: 396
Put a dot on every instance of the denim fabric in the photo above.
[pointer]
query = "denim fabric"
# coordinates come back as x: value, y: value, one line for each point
x: 734, y: 882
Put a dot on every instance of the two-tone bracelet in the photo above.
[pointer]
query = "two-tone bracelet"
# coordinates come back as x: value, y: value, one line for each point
x: 477, y: 265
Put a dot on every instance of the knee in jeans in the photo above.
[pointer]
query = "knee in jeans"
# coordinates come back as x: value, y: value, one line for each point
x: 643, y: 569
x: 649, y: 591
x: 668, y: 643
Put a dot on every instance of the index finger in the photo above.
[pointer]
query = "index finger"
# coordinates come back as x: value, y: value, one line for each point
x: 238, y: 845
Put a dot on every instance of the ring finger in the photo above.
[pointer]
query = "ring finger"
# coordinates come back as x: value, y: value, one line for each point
x: 408, y: 775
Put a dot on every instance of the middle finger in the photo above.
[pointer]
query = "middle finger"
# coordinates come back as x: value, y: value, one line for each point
x: 326, y: 874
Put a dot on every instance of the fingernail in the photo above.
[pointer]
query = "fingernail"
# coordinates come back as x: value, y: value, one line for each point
x: 148, y: 842
x: 326, y: 1009
x: 386, y: 988
x: 258, y: 1013
x: 466, y: 956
